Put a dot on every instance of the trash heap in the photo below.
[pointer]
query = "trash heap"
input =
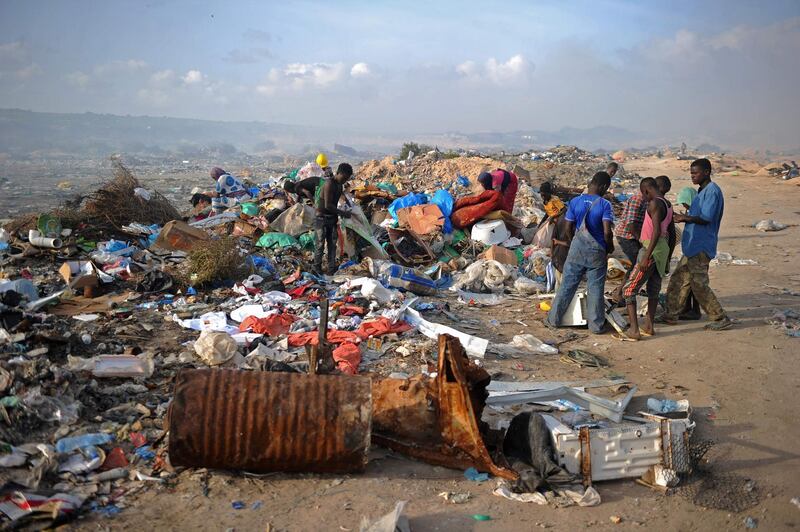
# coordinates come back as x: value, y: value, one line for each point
x: 115, y: 311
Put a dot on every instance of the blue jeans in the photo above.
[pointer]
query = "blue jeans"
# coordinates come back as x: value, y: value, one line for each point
x: 586, y: 257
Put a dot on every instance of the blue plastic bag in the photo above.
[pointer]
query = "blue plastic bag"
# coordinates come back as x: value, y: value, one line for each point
x: 444, y: 200
x: 409, y: 200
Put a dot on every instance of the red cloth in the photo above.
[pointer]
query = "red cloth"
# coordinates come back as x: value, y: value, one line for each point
x: 470, y: 209
x: 351, y: 310
x: 334, y: 337
x: 299, y: 291
x: 377, y: 327
x: 380, y: 327
x: 510, y: 193
x: 347, y: 357
x: 273, y: 325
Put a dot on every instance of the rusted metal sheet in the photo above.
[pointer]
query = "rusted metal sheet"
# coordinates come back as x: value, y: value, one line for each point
x: 437, y: 420
x: 263, y: 421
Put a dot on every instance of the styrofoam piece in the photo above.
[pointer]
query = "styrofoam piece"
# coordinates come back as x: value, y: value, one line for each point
x: 625, y: 451
x: 576, y: 313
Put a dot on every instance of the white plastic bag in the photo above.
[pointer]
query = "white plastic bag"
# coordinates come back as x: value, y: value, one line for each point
x: 215, y: 348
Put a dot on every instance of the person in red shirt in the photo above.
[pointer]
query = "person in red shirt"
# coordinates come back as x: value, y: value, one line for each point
x: 504, y: 182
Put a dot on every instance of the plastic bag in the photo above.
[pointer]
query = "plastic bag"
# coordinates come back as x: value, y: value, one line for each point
x: 770, y: 225
x: 62, y: 409
x: 215, y: 348
x: 483, y: 274
x: 372, y: 289
x: 277, y: 240
x: 444, y: 200
x: 527, y: 286
x: 526, y: 344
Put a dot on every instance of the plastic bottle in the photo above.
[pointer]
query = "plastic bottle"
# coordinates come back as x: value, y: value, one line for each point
x: 662, y: 407
x: 66, y: 445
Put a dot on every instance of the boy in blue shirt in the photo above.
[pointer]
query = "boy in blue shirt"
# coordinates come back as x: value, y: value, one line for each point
x: 588, y: 254
x: 699, y: 245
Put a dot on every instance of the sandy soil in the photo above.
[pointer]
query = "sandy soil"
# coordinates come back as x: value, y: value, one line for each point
x: 741, y: 382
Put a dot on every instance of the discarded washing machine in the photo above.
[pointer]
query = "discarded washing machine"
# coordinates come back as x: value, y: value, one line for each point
x: 624, y: 451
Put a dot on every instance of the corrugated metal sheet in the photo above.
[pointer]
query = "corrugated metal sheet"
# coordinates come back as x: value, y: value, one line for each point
x: 264, y: 421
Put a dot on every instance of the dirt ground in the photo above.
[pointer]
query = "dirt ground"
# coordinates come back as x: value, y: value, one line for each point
x: 741, y: 383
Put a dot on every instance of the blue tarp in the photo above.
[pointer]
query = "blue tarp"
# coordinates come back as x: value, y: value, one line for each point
x: 409, y: 200
x: 444, y: 200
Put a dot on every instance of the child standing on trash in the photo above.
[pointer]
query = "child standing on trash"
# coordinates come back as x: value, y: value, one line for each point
x: 325, y: 232
x: 651, y: 262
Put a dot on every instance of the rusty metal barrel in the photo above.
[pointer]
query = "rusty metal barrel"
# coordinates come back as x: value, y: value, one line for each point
x: 266, y: 421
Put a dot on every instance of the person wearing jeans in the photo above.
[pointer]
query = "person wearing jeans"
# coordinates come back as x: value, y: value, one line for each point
x: 588, y: 253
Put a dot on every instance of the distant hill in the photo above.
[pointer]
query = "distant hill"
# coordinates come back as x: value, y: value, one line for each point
x: 60, y: 135
x: 25, y: 132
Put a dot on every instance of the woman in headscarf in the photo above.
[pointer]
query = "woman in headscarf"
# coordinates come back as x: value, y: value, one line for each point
x: 229, y: 190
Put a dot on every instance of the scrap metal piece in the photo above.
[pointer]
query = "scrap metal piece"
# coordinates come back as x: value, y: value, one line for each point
x: 437, y: 420
x: 320, y: 355
x: 263, y: 421
x: 613, y: 410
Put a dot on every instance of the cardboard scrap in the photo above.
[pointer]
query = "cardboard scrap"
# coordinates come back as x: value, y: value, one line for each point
x: 81, y: 305
x: 422, y: 219
x: 180, y: 236
x: 501, y: 255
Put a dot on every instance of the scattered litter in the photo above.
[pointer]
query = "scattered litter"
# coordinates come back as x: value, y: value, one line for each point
x: 455, y: 498
x: 473, y: 475
x: 769, y: 225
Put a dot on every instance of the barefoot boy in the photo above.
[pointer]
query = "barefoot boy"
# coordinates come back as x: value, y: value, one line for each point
x: 651, y: 263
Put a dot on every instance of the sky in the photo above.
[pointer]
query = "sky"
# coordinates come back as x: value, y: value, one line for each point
x: 717, y: 69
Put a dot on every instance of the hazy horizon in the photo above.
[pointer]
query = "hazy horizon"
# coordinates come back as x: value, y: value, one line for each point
x: 714, y: 70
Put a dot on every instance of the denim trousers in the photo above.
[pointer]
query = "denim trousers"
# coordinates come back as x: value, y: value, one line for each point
x: 586, y: 257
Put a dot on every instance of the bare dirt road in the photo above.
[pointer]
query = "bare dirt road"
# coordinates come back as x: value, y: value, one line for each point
x: 743, y: 383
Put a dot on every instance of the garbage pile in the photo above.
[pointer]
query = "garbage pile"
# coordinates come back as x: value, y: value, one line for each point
x: 117, y: 309
x: 785, y: 171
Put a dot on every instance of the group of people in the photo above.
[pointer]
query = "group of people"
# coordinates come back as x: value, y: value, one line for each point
x: 583, y: 239
x: 322, y: 192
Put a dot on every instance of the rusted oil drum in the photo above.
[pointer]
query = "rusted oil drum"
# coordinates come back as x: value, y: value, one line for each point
x: 265, y: 421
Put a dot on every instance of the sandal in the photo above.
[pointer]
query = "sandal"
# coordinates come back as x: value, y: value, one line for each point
x: 622, y: 337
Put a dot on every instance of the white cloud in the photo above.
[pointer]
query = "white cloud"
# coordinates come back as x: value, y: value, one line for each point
x: 516, y: 68
x: 467, y: 69
x: 299, y: 76
x: 193, y: 77
x: 360, y: 70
